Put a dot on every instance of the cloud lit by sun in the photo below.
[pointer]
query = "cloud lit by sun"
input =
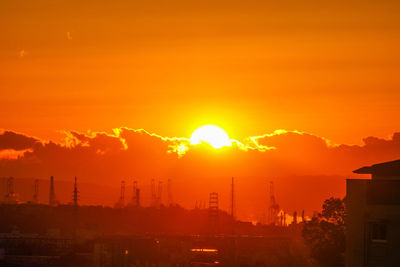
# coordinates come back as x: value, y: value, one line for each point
x: 212, y: 135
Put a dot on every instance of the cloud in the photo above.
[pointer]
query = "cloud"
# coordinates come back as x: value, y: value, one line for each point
x: 16, y: 141
x: 305, y: 168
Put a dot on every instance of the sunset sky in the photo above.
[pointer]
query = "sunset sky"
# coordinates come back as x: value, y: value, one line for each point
x: 170, y: 66
x: 72, y: 71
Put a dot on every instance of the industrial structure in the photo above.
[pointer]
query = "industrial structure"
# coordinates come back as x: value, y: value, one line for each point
x: 35, y: 199
x: 169, y: 188
x: 136, y: 195
x: 233, y: 199
x: 11, y: 197
x: 273, y: 209
x: 156, y: 197
x: 52, y: 193
x: 373, y: 217
x: 213, y: 212
x: 121, y: 201
x: 153, y: 193
x: 159, y: 195
x: 75, y: 193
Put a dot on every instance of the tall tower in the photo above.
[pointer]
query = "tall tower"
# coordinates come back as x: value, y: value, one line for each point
x: 213, y: 215
x: 52, y: 197
x: 36, y: 192
x: 170, y: 199
x: 76, y: 193
x: 273, y: 209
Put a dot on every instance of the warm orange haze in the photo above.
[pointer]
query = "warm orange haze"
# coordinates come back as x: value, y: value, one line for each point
x: 260, y: 108
x: 305, y: 168
x: 72, y: 72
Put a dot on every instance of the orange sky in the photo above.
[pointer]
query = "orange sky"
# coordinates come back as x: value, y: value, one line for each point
x: 329, y: 70
x: 170, y: 66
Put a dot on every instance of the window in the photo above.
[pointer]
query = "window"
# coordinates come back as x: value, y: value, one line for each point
x: 378, y: 232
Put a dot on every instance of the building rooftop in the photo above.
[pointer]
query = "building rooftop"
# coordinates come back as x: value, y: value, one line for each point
x: 390, y: 168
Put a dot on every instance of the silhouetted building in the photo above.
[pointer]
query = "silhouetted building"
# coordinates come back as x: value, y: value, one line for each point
x: 373, y: 217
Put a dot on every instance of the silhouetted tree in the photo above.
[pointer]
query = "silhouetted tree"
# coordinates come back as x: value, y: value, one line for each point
x: 325, y: 234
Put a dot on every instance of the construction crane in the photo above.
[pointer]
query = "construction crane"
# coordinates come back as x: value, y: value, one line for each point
x: 121, y: 202
x: 136, y: 195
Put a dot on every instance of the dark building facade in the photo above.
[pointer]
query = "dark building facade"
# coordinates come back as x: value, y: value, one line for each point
x: 373, y: 217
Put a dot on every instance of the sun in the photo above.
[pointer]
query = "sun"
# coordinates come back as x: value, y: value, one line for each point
x: 212, y: 135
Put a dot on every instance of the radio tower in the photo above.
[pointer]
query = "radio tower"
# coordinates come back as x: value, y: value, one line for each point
x: 52, y: 197
x: 36, y: 193
x: 170, y: 199
x: 76, y: 193
x: 273, y: 209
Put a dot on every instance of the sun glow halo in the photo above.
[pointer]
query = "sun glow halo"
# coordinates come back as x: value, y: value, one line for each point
x: 212, y: 135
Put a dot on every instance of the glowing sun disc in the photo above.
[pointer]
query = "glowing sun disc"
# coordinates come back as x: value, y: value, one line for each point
x: 212, y: 135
